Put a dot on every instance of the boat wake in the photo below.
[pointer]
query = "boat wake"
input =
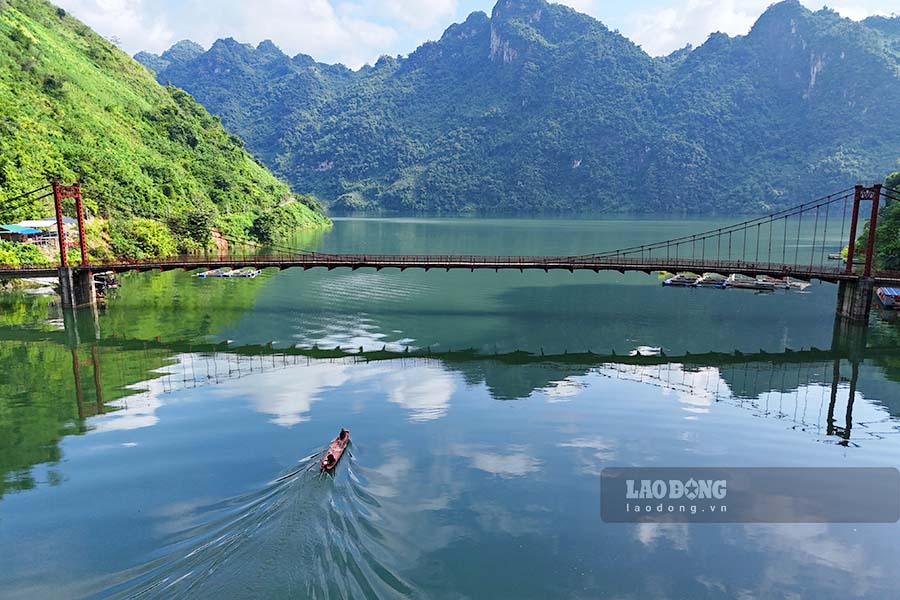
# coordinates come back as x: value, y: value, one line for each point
x: 305, y: 534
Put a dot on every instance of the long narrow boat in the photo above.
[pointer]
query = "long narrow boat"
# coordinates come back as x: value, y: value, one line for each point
x: 335, y: 451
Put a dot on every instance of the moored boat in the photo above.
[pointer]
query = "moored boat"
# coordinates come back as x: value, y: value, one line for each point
x: 335, y: 451
x: 247, y: 273
x: 682, y: 280
x: 797, y: 284
x: 712, y: 280
x: 889, y: 297
x: 209, y: 274
x: 776, y: 283
x: 748, y: 283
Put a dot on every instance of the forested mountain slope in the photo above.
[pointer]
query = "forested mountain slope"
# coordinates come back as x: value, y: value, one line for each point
x: 74, y: 106
x: 538, y: 107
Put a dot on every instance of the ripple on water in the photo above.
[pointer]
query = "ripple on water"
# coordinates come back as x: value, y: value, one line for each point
x: 305, y: 534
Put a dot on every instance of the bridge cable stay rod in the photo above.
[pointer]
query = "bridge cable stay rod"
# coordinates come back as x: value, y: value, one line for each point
x: 757, y: 240
x: 719, y: 247
x: 744, y: 247
x: 831, y: 198
x: 812, y: 252
x: 771, y: 228
x: 824, y: 200
x: 825, y: 238
x: 797, y: 246
x: 743, y: 226
x: 844, y: 222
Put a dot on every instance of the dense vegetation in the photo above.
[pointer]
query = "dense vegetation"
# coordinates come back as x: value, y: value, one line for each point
x: 887, y: 234
x: 538, y: 107
x: 151, y: 160
x: 13, y: 255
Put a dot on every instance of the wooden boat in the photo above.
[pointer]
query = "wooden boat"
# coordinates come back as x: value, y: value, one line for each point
x: 712, y: 280
x: 682, y: 280
x: 889, y: 297
x: 335, y: 451
x: 748, y: 283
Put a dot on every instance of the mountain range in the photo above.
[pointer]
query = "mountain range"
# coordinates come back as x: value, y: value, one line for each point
x: 540, y: 108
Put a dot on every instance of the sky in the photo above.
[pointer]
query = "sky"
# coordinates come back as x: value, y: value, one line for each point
x: 355, y: 32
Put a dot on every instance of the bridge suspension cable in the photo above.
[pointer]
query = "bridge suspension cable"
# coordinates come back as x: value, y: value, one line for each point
x: 811, y: 232
x: 21, y: 200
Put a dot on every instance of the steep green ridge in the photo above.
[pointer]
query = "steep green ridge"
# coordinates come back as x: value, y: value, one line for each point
x: 538, y: 107
x: 72, y: 105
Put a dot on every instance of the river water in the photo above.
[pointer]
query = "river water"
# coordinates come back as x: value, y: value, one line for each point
x: 168, y: 447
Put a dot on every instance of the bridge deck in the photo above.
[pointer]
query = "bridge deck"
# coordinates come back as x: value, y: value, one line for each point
x: 471, y: 262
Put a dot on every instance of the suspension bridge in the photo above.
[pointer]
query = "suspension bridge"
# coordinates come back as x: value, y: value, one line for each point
x: 799, y: 242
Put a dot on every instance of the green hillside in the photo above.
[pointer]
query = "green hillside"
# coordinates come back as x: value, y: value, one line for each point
x: 72, y: 105
x: 538, y: 107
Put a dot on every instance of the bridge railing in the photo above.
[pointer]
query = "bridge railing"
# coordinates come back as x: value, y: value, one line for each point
x: 479, y: 261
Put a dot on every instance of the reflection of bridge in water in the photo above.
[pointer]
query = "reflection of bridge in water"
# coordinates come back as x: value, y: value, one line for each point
x: 813, y: 395
x: 813, y: 389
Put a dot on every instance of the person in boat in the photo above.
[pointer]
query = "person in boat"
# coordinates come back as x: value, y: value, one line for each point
x: 329, y: 460
x: 343, y: 435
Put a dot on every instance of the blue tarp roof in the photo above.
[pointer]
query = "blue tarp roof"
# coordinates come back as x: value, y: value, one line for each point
x: 890, y: 291
x: 19, y: 230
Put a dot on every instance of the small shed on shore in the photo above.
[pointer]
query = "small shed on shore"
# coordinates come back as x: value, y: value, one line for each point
x: 17, y: 233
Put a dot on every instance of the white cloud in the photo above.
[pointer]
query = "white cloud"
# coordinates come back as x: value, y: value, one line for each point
x: 126, y: 20
x: 425, y: 392
x: 588, y: 7
x: 355, y: 32
x: 313, y: 27
x: 419, y: 14
x: 508, y: 462
x: 663, y: 30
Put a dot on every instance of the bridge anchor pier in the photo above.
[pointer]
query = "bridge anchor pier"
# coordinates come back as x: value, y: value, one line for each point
x: 76, y: 288
x: 855, y: 299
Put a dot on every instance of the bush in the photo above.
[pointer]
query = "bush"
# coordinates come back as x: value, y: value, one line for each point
x: 14, y: 255
x: 279, y: 223
x: 138, y: 238
x: 193, y: 228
